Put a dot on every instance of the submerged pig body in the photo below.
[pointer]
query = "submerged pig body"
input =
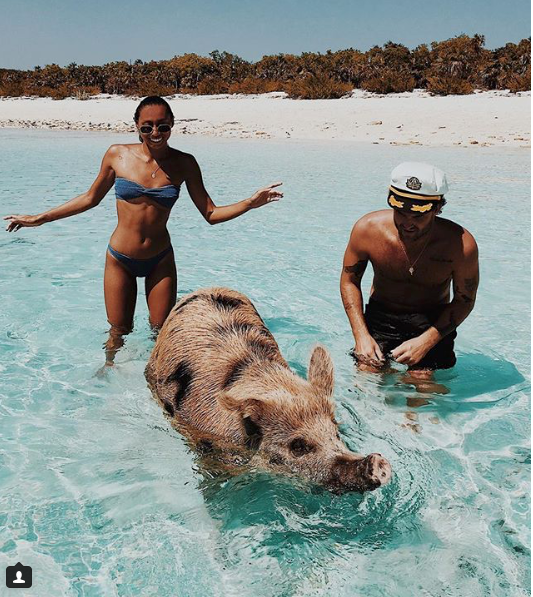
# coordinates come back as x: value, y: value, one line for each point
x: 218, y: 371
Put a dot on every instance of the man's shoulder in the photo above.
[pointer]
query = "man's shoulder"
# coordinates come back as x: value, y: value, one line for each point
x: 456, y: 234
x: 451, y: 228
x: 374, y: 219
x: 369, y: 229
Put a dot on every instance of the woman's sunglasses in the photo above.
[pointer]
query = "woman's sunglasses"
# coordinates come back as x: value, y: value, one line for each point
x: 146, y: 129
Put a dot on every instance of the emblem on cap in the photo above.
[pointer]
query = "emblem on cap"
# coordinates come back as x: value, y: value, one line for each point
x: 413, y: 183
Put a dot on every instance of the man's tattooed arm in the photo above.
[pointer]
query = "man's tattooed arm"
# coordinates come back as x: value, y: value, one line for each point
x: 447, y: 326
x: 466, y: 290
x: 356, y: 259
x: 356, y: 271
x: 465, y: 282
x: 471, y: 284
x: 464, y: 298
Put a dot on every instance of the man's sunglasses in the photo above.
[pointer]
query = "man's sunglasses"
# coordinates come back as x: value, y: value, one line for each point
x: 146, y: 129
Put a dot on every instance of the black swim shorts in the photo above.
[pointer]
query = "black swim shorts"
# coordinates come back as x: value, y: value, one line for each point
x: 390, y: 330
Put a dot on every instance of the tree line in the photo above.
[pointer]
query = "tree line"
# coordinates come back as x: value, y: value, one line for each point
x: 454, y: 66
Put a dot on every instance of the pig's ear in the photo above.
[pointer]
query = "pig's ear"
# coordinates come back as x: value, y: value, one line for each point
x: 320, y: 372
x: 246, y: 407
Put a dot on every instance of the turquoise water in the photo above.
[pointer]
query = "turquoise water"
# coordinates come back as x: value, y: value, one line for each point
x: 102, y: 497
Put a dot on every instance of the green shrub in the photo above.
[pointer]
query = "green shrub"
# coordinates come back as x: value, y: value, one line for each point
x: 454, y: 66
x: 317, y: 87
x: 510, y: 67
x: 212, y: 86
x: 253, y: 85
x: 449, y: 85
x: 83, y: 93
x: 61, y: 92
x: 516, y: 83
x: 11, y: 89
x: 144, y: 88
x: 389, y: 81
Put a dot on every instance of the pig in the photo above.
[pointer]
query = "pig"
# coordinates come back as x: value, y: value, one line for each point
x: 218, y: 372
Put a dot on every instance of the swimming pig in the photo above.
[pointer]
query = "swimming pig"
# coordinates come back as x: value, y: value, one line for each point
x: 218, y: 372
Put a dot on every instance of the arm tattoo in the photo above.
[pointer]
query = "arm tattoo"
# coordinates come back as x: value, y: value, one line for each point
x: 356, y: 271
x: 471, y: 284
x: 465, y: 298
x: 441, y: 260
x: 467, y: 294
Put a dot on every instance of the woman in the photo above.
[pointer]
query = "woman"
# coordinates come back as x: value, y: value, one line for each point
x: 147, y: 178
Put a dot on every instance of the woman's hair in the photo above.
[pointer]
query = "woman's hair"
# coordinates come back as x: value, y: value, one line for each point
x: 152, y: 100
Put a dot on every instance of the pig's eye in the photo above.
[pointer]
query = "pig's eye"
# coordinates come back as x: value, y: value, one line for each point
x: 299, y: 447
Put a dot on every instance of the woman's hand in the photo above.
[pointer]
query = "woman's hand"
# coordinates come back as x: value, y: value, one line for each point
x: 16, y: 222
x: 266, y: 195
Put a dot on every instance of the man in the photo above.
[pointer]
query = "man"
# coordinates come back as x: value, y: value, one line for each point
x: 416, y: 257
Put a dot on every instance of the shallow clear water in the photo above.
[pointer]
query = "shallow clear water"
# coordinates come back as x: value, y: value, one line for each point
x: 101, y: 496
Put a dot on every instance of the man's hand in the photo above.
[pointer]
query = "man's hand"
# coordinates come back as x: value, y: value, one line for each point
x: 412, y: 351
x: 368, y: 352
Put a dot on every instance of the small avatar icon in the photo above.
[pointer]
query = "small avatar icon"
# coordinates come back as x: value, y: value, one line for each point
x: 18, y: 576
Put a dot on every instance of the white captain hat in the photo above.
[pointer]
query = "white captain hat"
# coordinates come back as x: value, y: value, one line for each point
x: 416, y: 187
x: 416, y: 179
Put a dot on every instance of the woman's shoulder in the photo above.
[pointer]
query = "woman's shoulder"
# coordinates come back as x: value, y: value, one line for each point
x: 119, y: 148
x: 119, y: 151
x: 182, y: 155
x: 184, y: 160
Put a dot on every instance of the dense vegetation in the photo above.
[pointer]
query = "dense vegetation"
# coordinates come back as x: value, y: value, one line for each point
x: 454, y: 66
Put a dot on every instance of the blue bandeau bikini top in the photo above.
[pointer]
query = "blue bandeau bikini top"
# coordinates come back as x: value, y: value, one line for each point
x: 126, y: 190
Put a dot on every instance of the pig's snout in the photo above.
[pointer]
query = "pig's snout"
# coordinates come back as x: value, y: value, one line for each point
x: 359, y: 474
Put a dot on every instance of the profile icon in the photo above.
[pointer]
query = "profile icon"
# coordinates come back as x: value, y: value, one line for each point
x: 18, y: 576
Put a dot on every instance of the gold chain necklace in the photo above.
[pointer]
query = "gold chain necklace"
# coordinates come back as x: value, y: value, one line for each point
x: 412, y: 265
x: 159, y: 166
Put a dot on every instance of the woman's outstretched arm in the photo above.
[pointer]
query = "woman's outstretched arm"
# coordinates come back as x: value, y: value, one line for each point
x: 91, y: 198
x: 214, y: 214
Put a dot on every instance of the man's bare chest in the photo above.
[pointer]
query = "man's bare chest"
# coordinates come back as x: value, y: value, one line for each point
x: 428, y: 266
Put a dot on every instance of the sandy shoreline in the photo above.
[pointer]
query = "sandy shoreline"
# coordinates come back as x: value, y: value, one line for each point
x: 492, y: 118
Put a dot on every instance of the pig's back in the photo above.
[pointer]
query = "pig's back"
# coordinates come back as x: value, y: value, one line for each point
x: 207, y: 339
x: 214, y: 319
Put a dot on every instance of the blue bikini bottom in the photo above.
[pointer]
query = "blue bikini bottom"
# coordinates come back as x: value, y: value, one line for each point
x: 140, y: 268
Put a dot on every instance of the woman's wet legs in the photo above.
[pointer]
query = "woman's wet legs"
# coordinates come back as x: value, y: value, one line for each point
x: 161, y: 289
x: 120, y: 292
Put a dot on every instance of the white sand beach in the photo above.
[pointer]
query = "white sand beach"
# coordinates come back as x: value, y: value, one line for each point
x: 492, y: 118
